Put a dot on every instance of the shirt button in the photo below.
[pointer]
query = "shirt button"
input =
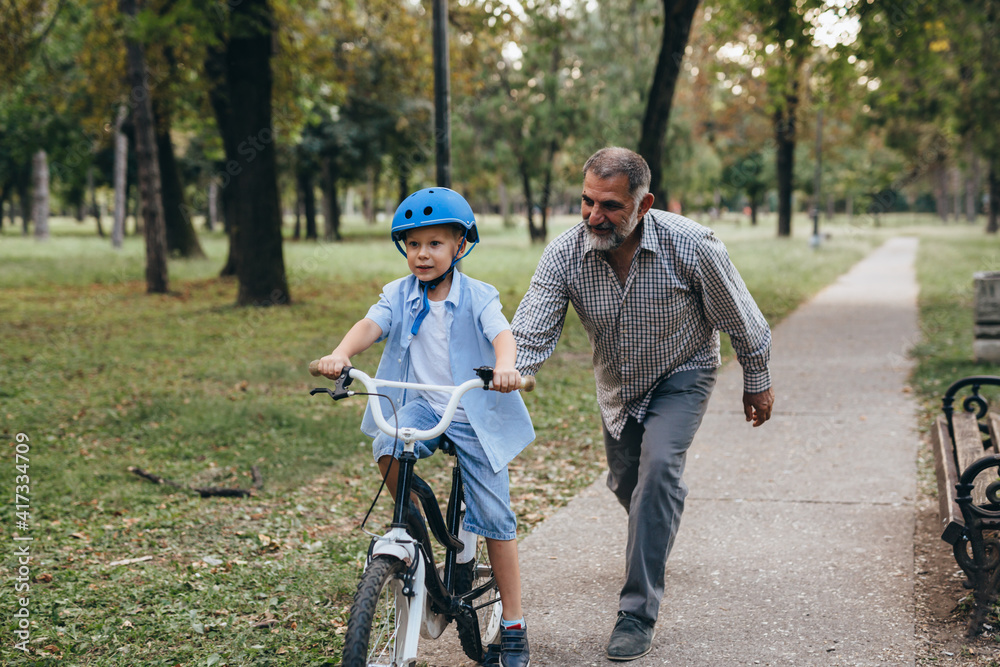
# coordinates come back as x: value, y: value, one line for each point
x: 409, y: 337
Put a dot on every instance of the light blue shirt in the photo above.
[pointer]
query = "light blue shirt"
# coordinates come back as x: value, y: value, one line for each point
x: 501, y: 421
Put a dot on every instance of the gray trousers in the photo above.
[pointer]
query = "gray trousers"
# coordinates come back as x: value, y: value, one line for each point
x: 645, y: 467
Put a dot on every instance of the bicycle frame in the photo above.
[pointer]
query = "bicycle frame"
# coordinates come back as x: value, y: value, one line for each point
x: 407, y: 539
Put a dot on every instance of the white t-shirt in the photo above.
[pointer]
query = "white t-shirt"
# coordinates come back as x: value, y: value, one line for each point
x: 431, y: 360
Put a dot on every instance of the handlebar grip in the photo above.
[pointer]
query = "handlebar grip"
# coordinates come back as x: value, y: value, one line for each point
x: 314, y: 368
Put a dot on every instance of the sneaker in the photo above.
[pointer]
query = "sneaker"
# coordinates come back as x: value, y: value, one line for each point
x: 514, y: 648
x: 632, y: 637
x: 492, y: 657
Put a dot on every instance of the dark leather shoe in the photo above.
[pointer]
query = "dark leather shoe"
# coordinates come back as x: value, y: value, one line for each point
x: 514, y: 648
x: 632, y: 637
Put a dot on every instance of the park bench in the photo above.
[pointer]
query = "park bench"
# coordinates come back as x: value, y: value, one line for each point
x: 967, y: 462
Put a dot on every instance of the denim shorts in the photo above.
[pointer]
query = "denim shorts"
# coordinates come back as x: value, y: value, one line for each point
x: 487, y: 493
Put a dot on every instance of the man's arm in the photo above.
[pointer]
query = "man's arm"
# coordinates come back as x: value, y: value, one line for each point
x: 729, y: 307
x: 540, y: 317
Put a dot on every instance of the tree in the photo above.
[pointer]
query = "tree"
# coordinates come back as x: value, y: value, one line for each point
x: 778, y: 38
x: 40, y: 191
x: 677, y: 18
x: 973, y: 35
x: 245, y: 122
x: 533, y: 105
x: 120, y: 179
x: 147, y: 161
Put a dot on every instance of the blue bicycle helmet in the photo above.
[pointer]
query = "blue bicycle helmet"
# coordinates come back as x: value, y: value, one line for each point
x: 433, y: 206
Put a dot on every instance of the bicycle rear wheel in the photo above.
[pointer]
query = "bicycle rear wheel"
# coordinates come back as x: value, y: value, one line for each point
x: 379, y: 615
x: 472, y: 576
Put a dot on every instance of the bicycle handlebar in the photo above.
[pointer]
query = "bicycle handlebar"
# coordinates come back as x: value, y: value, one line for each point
x: 407, y: 434
x: 527, y: 381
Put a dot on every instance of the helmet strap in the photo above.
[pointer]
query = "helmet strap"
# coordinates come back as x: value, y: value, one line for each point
x: 425, y: 307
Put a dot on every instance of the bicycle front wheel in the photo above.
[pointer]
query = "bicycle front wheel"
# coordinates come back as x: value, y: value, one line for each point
x: 379, y: 615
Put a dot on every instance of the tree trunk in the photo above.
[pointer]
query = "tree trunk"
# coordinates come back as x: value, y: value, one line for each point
x: 218, y: 95
x: 368, y: 202
x: 24, y: 198
x: 784, y: 135
x: 92, y: 191
x: 534, y: 232
x: 331, y: 207
x: 182, y: 239
x: 940, y: 176
x: 257, y: 208
x: 542, y: 232
x: 121, y: 176
x: 376, y: 183
x: 232, y: 230
x: 297, y: 230
x: 147, y: 163
x: 403, y: 177
x: 677, y: 16
x: 308, y: 195
x: 213, y: 205
x: 993, y: 216
x: 972, y: 185
x: 333, y: 233
x: 956, y: 190
x: 504, y: 202
x: 40, y: 194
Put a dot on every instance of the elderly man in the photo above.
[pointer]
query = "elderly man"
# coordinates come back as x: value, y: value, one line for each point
x: 653, y: 290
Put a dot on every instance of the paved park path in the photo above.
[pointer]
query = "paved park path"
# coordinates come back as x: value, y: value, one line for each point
x: 796, y: 546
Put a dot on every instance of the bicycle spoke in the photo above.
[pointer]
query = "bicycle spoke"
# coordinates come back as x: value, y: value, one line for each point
x: 383, y: 643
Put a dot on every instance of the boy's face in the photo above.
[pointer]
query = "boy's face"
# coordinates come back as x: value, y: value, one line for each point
x: 430, y: 250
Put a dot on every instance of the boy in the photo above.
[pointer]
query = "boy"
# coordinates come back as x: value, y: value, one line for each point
x: 440, y: 325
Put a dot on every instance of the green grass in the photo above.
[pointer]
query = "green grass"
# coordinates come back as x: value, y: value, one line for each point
x: 101, y: 376
x: 946, y: 266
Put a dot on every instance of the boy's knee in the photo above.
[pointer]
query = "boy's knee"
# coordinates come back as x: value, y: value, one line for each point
x: 384, y: 462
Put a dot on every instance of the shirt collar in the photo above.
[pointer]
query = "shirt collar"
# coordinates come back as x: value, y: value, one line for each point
x: 414, y: 292
x: 649, y: 241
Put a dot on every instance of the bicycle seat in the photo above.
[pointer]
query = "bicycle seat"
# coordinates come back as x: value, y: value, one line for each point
x: 447, y: 445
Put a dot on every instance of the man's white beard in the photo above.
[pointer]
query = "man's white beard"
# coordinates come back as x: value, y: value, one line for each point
x: 618, y: 235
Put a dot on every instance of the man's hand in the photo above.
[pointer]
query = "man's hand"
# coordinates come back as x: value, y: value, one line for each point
x: 757, y: 407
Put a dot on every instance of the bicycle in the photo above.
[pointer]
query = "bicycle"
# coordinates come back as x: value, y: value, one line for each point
x: 403, y: 594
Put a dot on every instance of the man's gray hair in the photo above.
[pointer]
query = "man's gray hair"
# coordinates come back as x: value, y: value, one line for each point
x: 616, y: 161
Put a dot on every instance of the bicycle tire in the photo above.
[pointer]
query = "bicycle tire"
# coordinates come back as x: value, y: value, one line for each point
x: 487, y: 619
x: 375, y: 609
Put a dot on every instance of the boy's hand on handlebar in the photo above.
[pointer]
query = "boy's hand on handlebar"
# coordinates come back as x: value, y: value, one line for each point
x: 333, y: 364
x: 506, y: 380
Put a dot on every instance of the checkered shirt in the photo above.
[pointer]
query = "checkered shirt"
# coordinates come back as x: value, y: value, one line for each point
x: 681, y: 290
